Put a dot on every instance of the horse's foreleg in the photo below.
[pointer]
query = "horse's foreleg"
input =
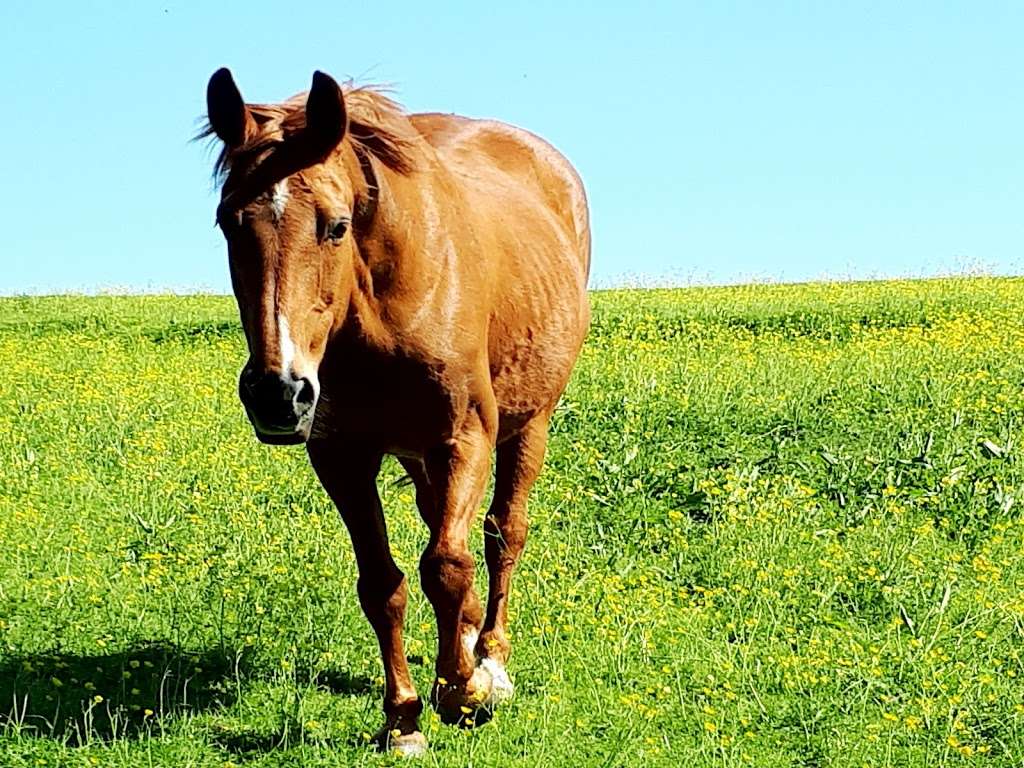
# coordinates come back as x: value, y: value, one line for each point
x: 457, y: 472
x: 351, y: 482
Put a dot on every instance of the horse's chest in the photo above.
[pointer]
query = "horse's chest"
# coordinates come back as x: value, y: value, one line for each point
x: 398, y: 406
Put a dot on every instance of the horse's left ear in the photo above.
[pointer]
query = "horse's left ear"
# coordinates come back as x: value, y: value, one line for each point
x: 326, y: 119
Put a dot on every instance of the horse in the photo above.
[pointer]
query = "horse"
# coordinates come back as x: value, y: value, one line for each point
x: 412, y: 285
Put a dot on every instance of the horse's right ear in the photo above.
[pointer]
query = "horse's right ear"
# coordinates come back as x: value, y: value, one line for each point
x: 229, y: 117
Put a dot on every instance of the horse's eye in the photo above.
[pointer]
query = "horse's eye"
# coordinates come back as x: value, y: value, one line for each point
x: 228, y: 220
x: 336, y: 229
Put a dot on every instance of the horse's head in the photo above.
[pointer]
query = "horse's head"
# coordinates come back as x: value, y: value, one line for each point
x: 286, y: 208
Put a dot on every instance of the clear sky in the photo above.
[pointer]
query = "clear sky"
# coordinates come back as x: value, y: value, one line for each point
x: 719, y: 141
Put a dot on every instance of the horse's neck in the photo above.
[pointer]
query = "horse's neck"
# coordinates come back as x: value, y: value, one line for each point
x: 397, y: 269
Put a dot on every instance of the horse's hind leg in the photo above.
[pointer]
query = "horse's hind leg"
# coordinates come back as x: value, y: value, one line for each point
x: 350, y: 480
x: 519, y: 461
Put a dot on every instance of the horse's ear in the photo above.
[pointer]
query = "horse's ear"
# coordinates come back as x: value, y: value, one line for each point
x: 225, y: 108
x: 326, y: 119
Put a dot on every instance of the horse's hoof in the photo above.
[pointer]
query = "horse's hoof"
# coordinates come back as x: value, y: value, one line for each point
x: 475, y: 702
x: 501, y: 684
x: 413, y: 744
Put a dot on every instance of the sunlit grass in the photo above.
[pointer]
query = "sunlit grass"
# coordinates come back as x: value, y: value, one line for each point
x: 779, y: 526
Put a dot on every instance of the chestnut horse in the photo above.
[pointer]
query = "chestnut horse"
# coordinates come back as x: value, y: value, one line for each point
x: 414, y: 285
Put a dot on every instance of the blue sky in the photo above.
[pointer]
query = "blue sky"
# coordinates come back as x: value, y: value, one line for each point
x: 719, y: 142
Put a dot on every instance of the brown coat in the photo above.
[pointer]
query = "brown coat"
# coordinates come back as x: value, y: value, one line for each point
x: 411, y: 285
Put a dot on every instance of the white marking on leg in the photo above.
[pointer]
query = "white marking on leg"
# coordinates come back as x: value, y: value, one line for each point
x: 490, y: 684
x: 501, y: 684
x: 469, y: 638
x: 409, y: 745
x: 279, y: 199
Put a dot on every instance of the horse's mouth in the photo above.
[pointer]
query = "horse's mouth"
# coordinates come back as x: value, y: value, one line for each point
x: 292, y: 434
x: 282, y: 438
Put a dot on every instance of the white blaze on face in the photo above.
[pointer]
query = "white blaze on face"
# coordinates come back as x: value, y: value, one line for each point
x: 279, y: 199
x: 286, y: 343
x: 290, y: 361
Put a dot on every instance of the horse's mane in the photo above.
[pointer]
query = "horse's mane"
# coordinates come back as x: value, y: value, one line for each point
x: 376, y: 123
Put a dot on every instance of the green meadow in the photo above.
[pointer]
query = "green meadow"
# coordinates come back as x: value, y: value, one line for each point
x: 778, y: 526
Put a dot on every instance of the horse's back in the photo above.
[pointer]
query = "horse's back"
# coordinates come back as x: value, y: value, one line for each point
x: 528, y: 223
x: 490, y: 158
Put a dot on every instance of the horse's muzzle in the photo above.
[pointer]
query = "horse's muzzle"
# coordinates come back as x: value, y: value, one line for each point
x: 279, y: 404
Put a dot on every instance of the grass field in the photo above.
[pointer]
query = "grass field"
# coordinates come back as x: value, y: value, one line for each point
x: 779, y: 526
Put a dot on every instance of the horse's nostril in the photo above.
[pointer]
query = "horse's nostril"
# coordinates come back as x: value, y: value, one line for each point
x: 306, y: 394
x: 249, y: 381
x: 276, y: 401
x: 247, y: 385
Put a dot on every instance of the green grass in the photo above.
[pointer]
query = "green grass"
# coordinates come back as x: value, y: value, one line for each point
x: 769, y: 533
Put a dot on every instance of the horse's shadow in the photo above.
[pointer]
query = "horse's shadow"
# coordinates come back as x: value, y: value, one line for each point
x: 77, y: 698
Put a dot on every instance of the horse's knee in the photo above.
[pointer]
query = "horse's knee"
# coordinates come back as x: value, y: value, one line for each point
x: 383, y: 598
x: 446, y: 575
